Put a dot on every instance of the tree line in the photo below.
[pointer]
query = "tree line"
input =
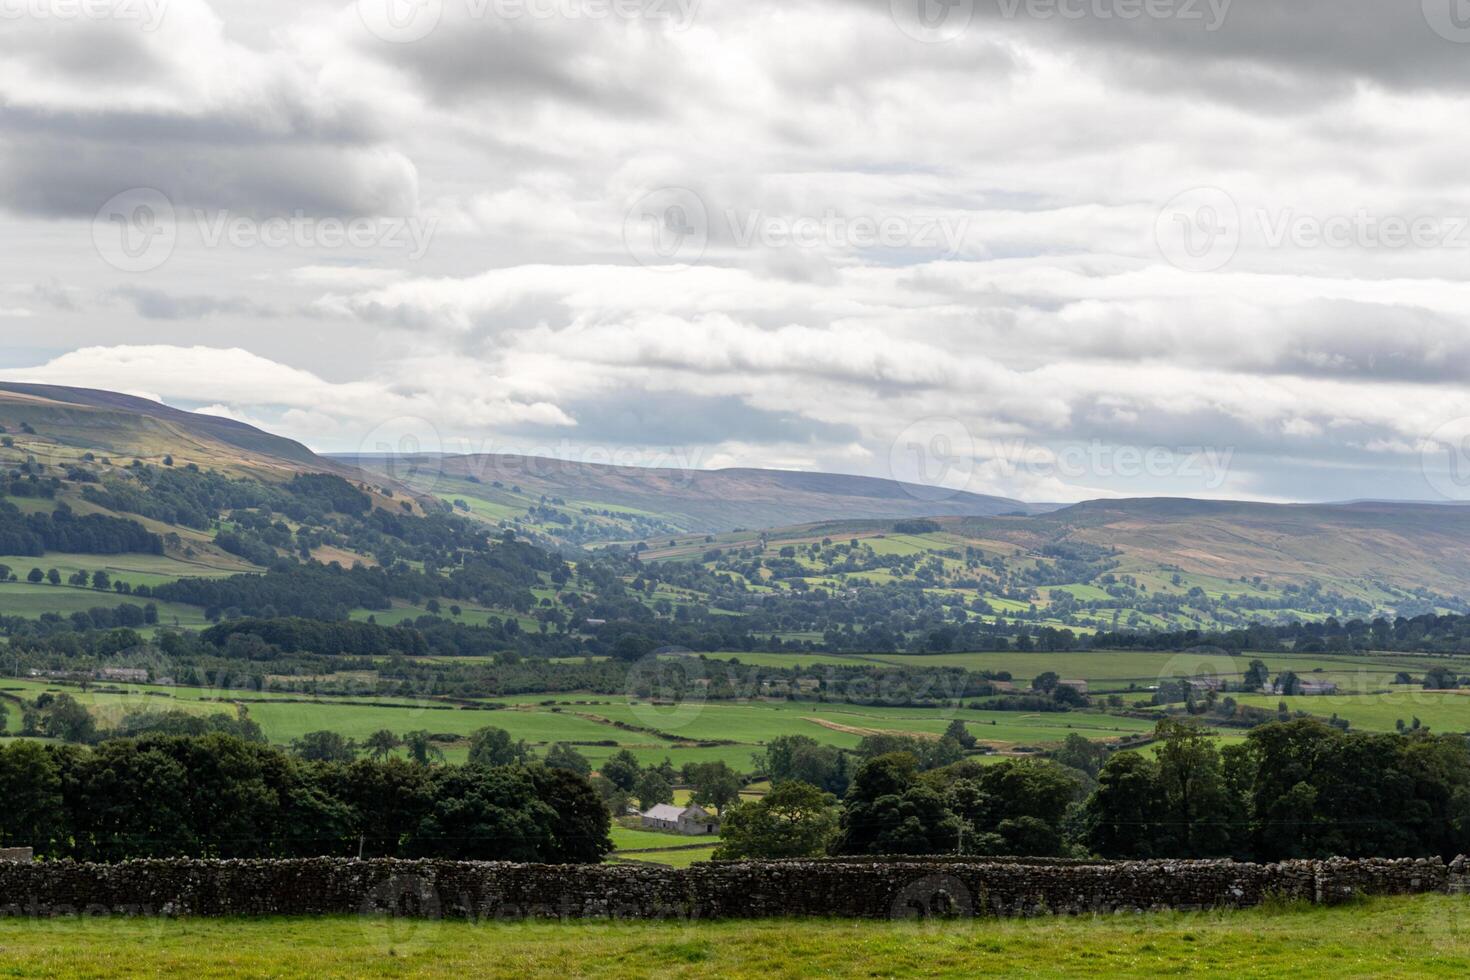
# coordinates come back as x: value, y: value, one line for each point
x: 1298, y: 789
x: 220, y: 796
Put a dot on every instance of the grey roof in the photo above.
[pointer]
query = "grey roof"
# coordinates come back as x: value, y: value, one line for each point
x: 664, y: 811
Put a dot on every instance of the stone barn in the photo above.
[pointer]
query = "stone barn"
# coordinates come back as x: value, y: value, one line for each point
x: 692, y: 820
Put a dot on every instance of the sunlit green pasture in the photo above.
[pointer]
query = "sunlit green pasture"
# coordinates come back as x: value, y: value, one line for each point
x: 1422, y: 936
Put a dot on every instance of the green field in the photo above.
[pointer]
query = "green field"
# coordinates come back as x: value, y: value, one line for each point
x: 25, y: 599
x: 1111, y: 671
x: 134, y: 569
x: 749, y: 725
x: 1443, y: 711
x: 631, y: 844
x: 1418, y: 937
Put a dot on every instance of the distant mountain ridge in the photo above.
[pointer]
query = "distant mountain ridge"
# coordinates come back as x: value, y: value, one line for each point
x: 112, y: 423
x: 707, y: 501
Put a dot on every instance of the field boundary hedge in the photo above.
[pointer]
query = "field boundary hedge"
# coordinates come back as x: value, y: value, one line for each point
x: 834, y: 888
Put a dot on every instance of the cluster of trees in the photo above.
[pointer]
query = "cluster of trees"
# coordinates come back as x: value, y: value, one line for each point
x: 622, y: 782
x: 61, y: 530
x: 1299, y: 789
x: 194, y: 498
x: 1294, y: 789
x: 220, y: 796
x: 1428, y: 633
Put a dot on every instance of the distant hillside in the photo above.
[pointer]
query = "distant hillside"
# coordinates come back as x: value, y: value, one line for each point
x: 108, y: 423
x: 1406, y: 545
x: 628, y: 502
x: 1150, y: 564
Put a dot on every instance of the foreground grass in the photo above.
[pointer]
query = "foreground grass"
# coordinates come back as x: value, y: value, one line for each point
x: 1422, y: 936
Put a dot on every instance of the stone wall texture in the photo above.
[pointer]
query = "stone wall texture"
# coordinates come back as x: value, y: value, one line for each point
x: 896, y: 888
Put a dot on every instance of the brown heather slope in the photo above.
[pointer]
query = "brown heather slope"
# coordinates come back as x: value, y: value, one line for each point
x: 72, y: 421
x: 1408, y: 545
x: 713, y: 501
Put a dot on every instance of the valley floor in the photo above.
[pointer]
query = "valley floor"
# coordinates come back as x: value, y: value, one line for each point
x: 1421, y: 936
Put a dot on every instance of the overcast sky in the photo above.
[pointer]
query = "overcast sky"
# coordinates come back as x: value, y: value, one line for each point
x: 1052, y: 249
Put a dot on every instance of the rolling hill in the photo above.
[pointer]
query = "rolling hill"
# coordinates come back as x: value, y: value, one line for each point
x: 105, y: 422
x: 1161, y: 563
x: 622, y: 503
x: 1149, y: 563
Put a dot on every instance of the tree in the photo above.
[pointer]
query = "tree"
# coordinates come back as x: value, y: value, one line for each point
x: 324, y: 746
x: 622, y: 770
x: 802, y: 758
x: 653, y: 789
x: 715, y: 784
x: 101, y: 581
x: 53, y: 576
x: 563, y: 756
x: 794, y: 820
x: 30, y: 785
x: 887, y: 812
x: 1288, y: 683
x: 494, y: 747
x: 421, y: 748
x: 484, y: 814
x: 68, y: 720
x: 1440, y: 678
x: 1121, y: 817
x: 580, y: 827
x: 960, y: 734
x: 1199, y: 814
x: 1046, y: 682
x: 380, y: 744
x: 35, y: 576
x: 1082, y: 754
x: 1256, y: 675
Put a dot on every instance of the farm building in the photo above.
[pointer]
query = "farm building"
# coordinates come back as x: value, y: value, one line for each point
x: 692, y: 820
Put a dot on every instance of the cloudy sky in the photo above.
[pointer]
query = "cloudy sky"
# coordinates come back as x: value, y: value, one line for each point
x: 1047, y: 248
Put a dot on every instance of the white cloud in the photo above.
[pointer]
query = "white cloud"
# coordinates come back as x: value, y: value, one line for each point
x: 1048, y: 148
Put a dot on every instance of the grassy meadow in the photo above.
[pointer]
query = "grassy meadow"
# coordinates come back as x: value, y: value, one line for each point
x: 591, y: 721
x: 1423, y: 936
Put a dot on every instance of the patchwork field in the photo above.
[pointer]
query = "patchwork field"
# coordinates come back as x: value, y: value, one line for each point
x: 134, y: 569
x: 1442, y: 711
x: 1107, y: 671
x: 589, y: 721
x: 1423, y: 936
x: 31, y: 601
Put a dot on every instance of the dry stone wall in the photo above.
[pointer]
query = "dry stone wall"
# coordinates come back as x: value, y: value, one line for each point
x: 899, y: 888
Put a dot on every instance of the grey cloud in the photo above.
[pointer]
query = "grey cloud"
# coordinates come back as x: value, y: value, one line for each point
x: 155, y: 304
x: 662, y: 419
x: 1316, y: 41
x: 58, y: 177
